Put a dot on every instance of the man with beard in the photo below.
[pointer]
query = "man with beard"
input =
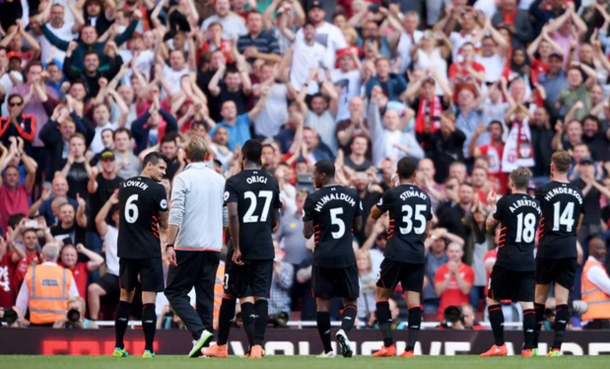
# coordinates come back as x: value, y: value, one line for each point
x: 57, y: 21
x: 597, y: 140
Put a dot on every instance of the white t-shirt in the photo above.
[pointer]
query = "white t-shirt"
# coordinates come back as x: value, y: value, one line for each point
x: 232, y: 25
x: 173, y: 78
x: 494, y: 65
x: 63, y: 33
x: 96, y: 145
x: 305, y: 57
x: 275, y: 112
x: 143, y: 63
x: 405, y: 44
x: 8, y: 85
x: 436, y: 60
x: 350, y: 84
x: 457, y: 40
x: 111, y: 239
x: 331, y: 38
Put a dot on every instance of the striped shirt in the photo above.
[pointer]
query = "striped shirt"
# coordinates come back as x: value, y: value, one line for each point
x: 265, y: 43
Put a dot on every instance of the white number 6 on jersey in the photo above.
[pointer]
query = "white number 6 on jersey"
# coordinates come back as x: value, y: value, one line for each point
x: 131, y: 209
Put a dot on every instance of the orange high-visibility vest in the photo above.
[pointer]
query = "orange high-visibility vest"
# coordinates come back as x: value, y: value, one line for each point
x: 597, y: 300
x: 218, y: 292
x: 49, y: 292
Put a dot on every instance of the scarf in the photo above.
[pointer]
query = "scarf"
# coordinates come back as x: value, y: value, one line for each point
x: 510, y: 17
x: 435, y: 110
x: 518, y: 148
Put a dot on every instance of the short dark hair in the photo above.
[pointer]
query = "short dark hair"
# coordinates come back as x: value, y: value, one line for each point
x: 11, y: 96
x: 121, y: 130
x: 170, y: 137
x: 521, y: 178
x: 561, y: 161
x: 406, y: 167
x: 252, y: 150
x: 327, y: 167
x: 270, y: 146
x: 498, y: 123
x: 154, y: 158
x: 91, y: 52
x: 15, y: 219
x: 33, y: 64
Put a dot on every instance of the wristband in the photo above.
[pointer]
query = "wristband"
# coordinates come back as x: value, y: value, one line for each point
x: 47, y: 231
x: 169, y: 245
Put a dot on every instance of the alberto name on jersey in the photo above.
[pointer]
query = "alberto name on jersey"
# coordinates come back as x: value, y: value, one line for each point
x: 332, y: 210
x: 410, y: 210
x: 140, y: 201
x: 255, y: 192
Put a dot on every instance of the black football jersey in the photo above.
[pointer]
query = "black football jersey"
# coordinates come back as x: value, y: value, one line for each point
x: 140, y: 201
x: 256, y: 193
x: 410, y: 210
x: 519, y: 215
x: 561, y: 204
x: 332, y: 210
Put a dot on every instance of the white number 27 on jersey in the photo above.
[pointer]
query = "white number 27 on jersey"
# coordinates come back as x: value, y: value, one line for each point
x: 249, y: 217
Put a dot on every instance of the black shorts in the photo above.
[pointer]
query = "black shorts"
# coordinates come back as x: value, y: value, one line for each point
x: 148, y: 271
x: 505, y: 284
x: 109, y: 283
x: 560, y: 271
x: 335, y: 282
x: 410, y: 276
x: 251, y: 279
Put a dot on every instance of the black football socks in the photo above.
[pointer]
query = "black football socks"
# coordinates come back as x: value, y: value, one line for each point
x: 261, y: 308
x: 247, y: 317
x: 348, y: 317
x: 323, y: 320
x: 562, y: 315
x: 529, y: 325
x: 414, y: 325
x: 225, y: 318
x: 496, y: 318
x: 149, y: 325
x: 120, y: 322
x: 539, y: 312
x: 384, y: 319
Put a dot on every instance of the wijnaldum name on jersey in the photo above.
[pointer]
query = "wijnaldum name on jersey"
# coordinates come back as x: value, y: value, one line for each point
x: 524, y: 202
x: 142, y: 185
x: 333, y: 196
x: 562, y: 190
x: 405, y: 195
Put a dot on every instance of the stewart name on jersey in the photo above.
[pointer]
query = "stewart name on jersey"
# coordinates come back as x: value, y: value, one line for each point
x: 562, y: 204
x: 255, y: 192
x: 410, y: 210
x: 332, y: 210
x: 140, y: 201
x: 519, y: 215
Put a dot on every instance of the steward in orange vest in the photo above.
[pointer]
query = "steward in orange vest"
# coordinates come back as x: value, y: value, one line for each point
x: 47, y: 289
x: 596, y: 287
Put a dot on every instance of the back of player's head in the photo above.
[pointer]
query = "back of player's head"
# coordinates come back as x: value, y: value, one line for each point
x: 195, y: 149
x: 154, y: 158
x: 521, y: 178
x: 561, y: 161
x: 406, y: 167
x: 252, y: 150
x: 327, y: 167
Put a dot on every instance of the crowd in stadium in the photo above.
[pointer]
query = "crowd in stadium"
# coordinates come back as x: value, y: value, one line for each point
x: 471, y: 89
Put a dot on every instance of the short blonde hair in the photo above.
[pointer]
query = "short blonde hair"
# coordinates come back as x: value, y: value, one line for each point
x: 79, y: 299
x: 195, y: 149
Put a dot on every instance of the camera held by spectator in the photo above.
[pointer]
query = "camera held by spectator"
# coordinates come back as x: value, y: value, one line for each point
x: 75, y: 317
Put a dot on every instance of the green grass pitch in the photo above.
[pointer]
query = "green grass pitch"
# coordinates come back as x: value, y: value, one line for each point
x: 302, y: 362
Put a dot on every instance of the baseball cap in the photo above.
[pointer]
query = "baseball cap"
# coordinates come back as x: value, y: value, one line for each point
x: 107, y: 155
x: 556, y: 55
x: 584, y: 161
x: 316, y: 4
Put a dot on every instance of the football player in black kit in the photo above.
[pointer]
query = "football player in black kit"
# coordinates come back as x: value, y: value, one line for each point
x: 143, y: 207
x: 513, y: 276
x: 410, y: 211
x: 253, y: 200
x: 562, y: 214
x: 330, y: 214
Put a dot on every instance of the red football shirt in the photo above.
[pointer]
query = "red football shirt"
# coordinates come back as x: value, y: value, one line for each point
x: 8, y: 293
x: 22, y: 268
x: 453, y: 296
x: 81, y: 275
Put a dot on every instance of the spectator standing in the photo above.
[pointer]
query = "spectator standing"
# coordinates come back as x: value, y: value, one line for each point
x: 304, y: 55
x: 258, y: 43
x: 233, y: 26
x: 9, y: 258
x: 17, y: 124
x: 72, y: 225
x: 29, y: 239
x: 447, y: 144
x: 596, y: 287
x: 57, y: 193
x: 15, y: 197
x: 275, y: 113
x: 281, y: 284
x: 127, y: 164
x: 453, y: 280
x: 516, y: 21
x: 77, y: 169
